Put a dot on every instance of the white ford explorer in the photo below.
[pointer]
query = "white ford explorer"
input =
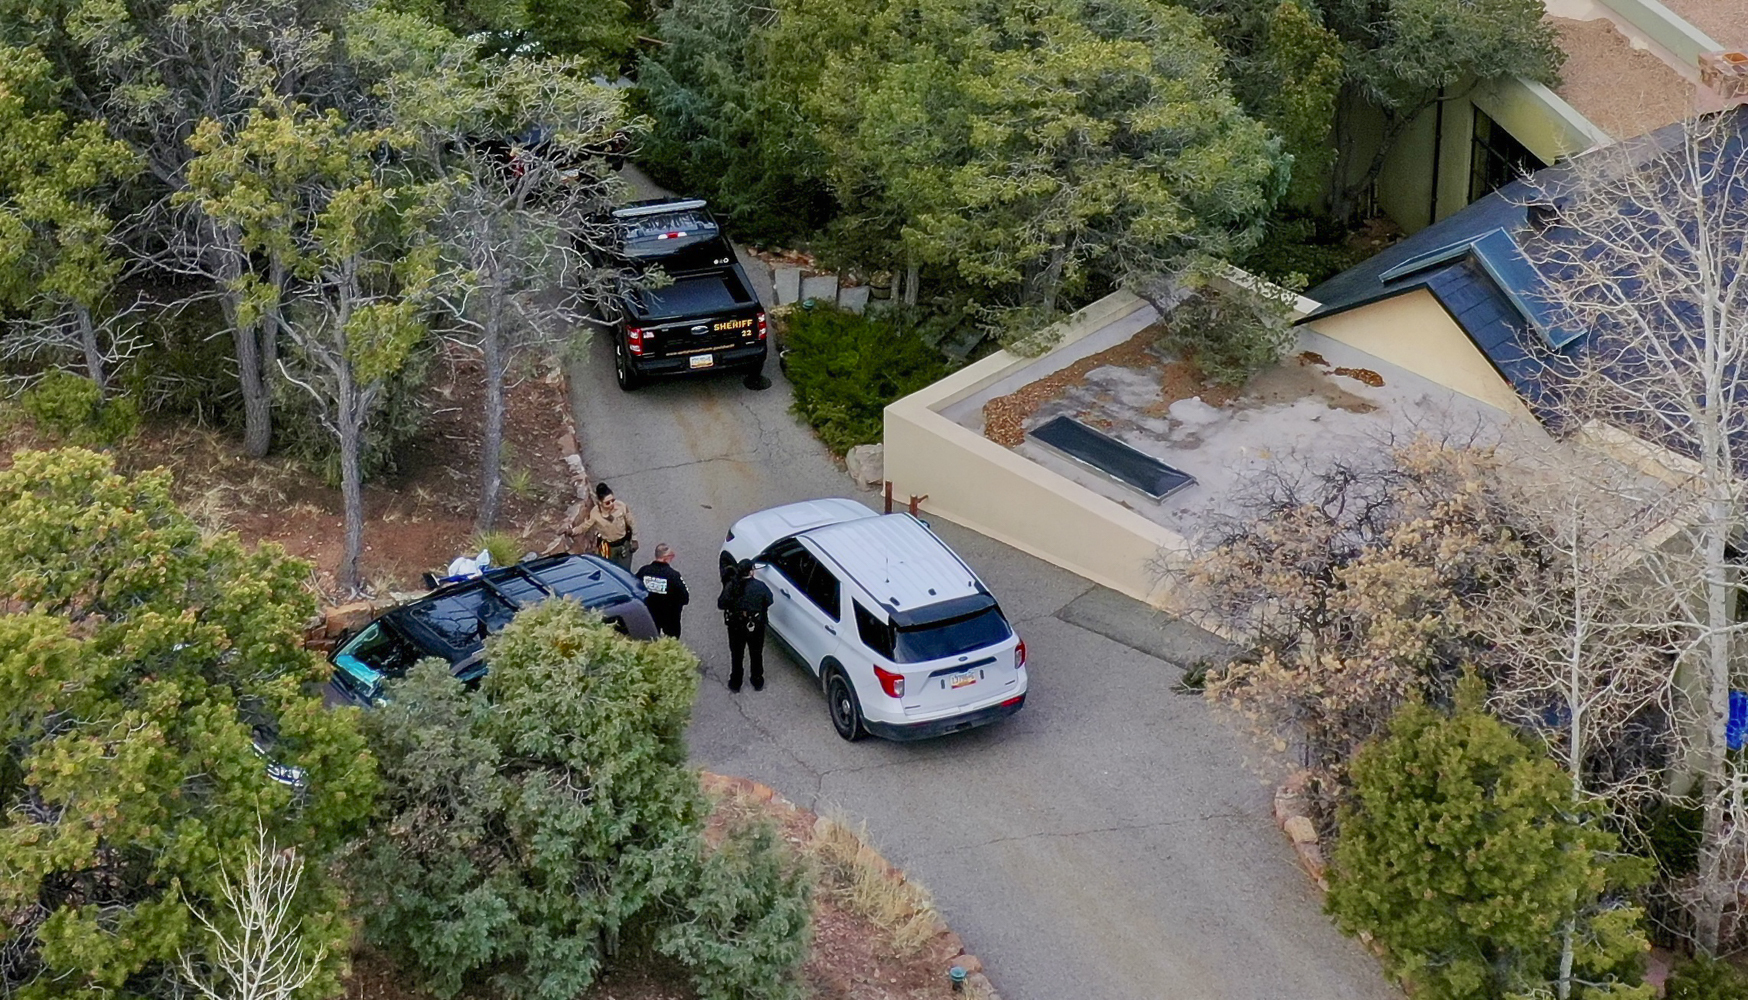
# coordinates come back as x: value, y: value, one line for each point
x: 906, y: 641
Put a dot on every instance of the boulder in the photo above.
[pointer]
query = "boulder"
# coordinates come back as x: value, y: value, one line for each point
x: 853, y: 298
x: 1301, y: 829
x: 866, y: 464
x: 347, y: 617
x: 786, y: 279
x: 820, y: 287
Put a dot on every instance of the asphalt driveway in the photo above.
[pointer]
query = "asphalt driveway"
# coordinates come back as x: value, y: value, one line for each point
x: 1111, y: 841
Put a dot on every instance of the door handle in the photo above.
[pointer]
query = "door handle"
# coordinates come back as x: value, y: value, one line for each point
x: 780, y: 590
x: 833, y: 631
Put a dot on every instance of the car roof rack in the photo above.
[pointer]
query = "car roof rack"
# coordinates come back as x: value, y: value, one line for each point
x: 660, y: 208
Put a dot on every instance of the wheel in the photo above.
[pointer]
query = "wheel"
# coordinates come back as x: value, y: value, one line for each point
x: 846, y: 712
x: 628, y: 380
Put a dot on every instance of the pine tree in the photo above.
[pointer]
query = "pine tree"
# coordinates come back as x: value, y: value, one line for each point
x: 1464, y: 855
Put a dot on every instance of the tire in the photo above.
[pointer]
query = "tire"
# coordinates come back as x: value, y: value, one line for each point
x: 628, y: 380
x: 841, y: 704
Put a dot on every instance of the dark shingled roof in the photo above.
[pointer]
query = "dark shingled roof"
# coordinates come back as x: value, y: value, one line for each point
x: 1473, y: 263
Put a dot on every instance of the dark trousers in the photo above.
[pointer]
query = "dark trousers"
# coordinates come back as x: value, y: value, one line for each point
x: 667, y: 622
x: 752, y: 643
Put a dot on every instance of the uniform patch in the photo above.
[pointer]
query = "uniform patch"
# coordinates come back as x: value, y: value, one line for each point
x: 656, y: 584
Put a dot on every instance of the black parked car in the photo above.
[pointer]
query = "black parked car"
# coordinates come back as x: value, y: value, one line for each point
x: 452, y: 622
x: 705, y: 318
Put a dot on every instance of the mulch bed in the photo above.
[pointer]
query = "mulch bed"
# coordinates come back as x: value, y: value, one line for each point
x: 1005, y: 417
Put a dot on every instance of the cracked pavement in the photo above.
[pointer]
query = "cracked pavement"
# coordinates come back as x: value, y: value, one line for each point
x: 1113, y: 840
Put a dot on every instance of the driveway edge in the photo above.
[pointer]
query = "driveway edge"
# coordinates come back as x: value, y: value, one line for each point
x: 950, y: 944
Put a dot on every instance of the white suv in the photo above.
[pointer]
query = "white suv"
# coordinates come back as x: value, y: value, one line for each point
x: 906, y: 641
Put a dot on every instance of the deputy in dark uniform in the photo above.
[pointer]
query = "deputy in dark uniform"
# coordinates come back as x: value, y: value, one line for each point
x: 667, y: 590
x: 746, y: 610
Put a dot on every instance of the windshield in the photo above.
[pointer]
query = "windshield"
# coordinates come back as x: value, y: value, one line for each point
x: 938, y: 640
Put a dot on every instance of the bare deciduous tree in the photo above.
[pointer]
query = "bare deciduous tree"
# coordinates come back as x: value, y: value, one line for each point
x: 1642, y: 249
x: 254, y: 946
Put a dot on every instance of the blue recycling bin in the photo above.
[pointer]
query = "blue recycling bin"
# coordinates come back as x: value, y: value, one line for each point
x: 1736, y: 733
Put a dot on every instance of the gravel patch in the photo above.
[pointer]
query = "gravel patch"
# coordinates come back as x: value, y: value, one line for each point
x: 1624, y: 91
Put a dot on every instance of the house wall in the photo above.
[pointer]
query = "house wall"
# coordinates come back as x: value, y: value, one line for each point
x: 1535, y: 115
x: 975, y: 482
x: 1414, y: 332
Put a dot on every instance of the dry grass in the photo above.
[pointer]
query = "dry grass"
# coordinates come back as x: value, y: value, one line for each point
x: 862, y: 881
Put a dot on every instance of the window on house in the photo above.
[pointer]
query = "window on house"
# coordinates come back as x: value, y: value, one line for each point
x: 1496, y: 158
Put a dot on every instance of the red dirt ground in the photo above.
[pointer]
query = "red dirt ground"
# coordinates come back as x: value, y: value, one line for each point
x: 417, y: 519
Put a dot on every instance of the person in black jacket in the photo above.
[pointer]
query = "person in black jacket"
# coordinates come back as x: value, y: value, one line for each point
x: 667, y: 590
x: 746, y: 610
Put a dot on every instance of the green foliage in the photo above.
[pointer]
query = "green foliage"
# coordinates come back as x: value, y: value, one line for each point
x: 72, y: 408
x: 845, y: 368
x: 1465, y: 855
x: 744, y: 927
x: 1672, y: 836
x: 182, y: 369
x: 1037, y: 150
x: 1703, y: 978
x: 397, y: 416
x: 601, y: 33
x: 1303, y: 248
x: 140, y: 661
x: 727, y: 128
x: 1230, y: 332
x: 54, y: 227
x: 531, y: 826
x: 506, y: 549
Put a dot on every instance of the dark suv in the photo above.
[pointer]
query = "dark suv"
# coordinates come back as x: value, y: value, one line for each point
x: 452, y: 622
x: 703, y: 316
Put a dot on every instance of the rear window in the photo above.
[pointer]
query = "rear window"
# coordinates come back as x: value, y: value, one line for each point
x: 667, y: 226
x: 938, y: 640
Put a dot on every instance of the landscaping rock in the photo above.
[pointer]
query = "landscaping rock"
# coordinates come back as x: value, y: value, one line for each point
x: 866, y: 464
x: 855, y: 298
x: 1301, y: 829
x: 786, y: 279
x: 821, y: 287
x: 347, y: 617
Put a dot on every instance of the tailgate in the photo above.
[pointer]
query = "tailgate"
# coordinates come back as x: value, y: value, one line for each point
x: 944, y: 685
x: 696, y: 336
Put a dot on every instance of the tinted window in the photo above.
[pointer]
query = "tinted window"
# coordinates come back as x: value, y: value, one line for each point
x: 952, y: 637
x: 822, y: 590
x: 876, y: 632
x: 805, y: 573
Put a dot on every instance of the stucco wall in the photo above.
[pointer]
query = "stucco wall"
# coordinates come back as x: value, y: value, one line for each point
x: 1413, y: 331
x: 973, y: 481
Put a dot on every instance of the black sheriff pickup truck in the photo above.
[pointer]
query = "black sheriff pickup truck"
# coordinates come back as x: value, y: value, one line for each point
x: 703, y: 318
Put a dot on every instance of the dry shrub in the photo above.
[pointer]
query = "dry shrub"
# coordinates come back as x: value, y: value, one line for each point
x: 859, y: 879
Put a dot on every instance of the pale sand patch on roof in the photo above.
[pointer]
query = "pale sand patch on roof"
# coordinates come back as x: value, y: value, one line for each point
x: 1725, y: 20
x: 1622, y: 90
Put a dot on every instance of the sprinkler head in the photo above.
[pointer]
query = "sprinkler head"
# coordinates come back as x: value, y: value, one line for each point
x: 956, y: 976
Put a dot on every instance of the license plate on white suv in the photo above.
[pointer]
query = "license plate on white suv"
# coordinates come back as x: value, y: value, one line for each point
x: 962, y: 680
x: 702, y: 360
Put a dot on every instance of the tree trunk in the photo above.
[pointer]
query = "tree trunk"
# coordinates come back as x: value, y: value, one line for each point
x: 912, y: 275
x: 1715, y: 890
x: 492, y: 440
x: 257, y: 403
x: 349, y: 421
x: 94, y: 366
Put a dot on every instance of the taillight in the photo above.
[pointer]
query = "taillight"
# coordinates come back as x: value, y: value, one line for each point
x: 634, y: 337
x: 891, y: 683
x: 1020, y: 656
x: 761, y: 326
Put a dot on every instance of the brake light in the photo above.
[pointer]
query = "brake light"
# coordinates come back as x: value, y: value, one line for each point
x: 1020, y: 656
x: 761, y: 326
x: 891, y: 683
x: 670, y: 236
x: 634, y: 338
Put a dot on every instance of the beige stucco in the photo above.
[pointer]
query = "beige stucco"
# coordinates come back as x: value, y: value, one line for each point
x: 975, y: 482
x: 1413, y: 331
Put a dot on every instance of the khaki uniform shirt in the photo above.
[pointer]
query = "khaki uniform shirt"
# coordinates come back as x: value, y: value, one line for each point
x: 612, y: 527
